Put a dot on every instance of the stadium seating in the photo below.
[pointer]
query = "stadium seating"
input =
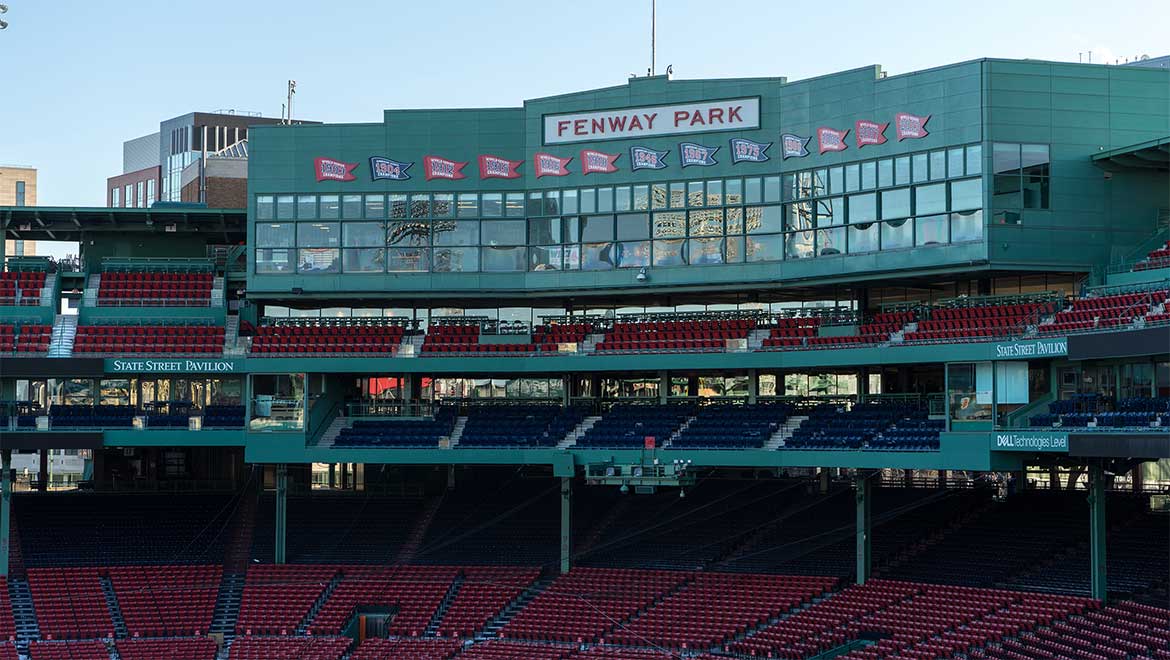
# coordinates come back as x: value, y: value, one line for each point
x: 414, y: 591
x: 406, y: 648
x: 21, y: 287
x: 159, y: 339
x: 69, y: 603
x: 121, y: 529
x: 336, y: 528
x: 627, y: 425
x: 325, y: 337
x: 201, y: 648
x: 713, y: 607
x: 485, y: 591
x: 728, y: 426
x: 223, y: 416
x: 7, y: 338
x: 888, y: 426
x: 33, y: 338
x: 465, y: 339
x: 166, y: 601
x: 1126, y: 630
x: 549, y: 335
x: 79, y: 650
x: 557, y: 614
x: 295, y: 587
x: 1156, y: 258
x: 1095, y: 312
x: 1080, y: 411
x: 155, y: 289
x: 288, y: 648
x: 877, y: 331
x: 66, y: 416
x: 683, y: 335
x: 7, y: 622
x: 519, y: 425
x: 503, y: 649
x: 790, y: 332
x: 398, y: 432
x: 975, y: 323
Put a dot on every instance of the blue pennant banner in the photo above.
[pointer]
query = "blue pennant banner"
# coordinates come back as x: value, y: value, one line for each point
x: 384, y: 168
x: 642, y: 158
x: 746, y: 151
x: 696, y: 154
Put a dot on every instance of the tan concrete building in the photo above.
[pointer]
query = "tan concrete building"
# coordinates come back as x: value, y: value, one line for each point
x: 18, y: 187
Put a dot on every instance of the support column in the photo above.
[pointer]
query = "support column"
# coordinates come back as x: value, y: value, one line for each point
x: 566, y: 506
x: 1097, y: 531
x: 281, y: 511
x: 663, y: 387
x: 5, y: 509
x: 864, y: 557
x: 753, y: 377
x: 43, y: 479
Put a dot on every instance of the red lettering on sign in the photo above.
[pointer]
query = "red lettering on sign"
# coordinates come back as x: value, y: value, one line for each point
x: 579, y: 127
x: 733, y: 113
x: 617, y: 124
x: 697, y: 118
x: 599, y: 125
x: 562, y: 125
x: 680, y: 116
x: 716, y: 115
x: 635, y: 123
x: 650, y: 120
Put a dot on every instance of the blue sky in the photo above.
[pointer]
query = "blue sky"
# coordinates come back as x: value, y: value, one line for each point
x: 79, y: 78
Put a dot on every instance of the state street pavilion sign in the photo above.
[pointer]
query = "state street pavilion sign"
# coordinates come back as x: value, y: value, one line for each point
x: 698, y: 117
x: 173, y: 366
x: 1031, y: 348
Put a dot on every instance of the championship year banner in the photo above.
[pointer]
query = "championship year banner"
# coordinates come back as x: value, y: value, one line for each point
x: 655, y: 120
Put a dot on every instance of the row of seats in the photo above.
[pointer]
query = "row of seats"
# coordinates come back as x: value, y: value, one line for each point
x: 697, y: 335
x: 21, y: 287
x: 867, y: 426
x: 519, y: 425
x: 398, y: 432
x: 729, y: 426
x: 28, y: 338
x: 1103, y: 311
x: 155, y: 289
x: 168, y: 339
x: 167, y: 601
x: 1086, y: 410
x: 628, y: 425
x: 1159, y: 257
x: 312, y: 338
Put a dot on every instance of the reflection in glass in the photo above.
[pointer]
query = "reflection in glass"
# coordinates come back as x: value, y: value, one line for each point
x: 408, y: 259
x: 733, y: 249
x: 274, y: 234
x: 670, y: 225
x: 733, y: 191
x: 456, y: 260
x: 363, y: 234
x: 443, y: 205
x: 764, y: 248
x: 705, y: 223
x: 798, y: 245
x: 307, y: 207
x: 597, y: 228
x: 931, y: 230
x: 468, y: 205
x: 363, y: 260
x: 503, y: 259
x: 930, y: 199
x: 409, y: 232
x: 669, y: 252
x: 569, y: 202
x: 895, y: 203
x: 544, y: 231
x: 799, y: 216
x: 502, y: 232
x: 545, y: 258
x: 966, y: 194
x: 318, y: 260
x: 273, y: 261
x: 863, y: 238
x: 702, y: 251
x: 831, y: 241
x: 493, y: 204
x: 735, y: 220
x: 330, y: 207
x: 597, y: 256
x: 897, y: 234
x: 641, y: 198
x: 375, y: 206
x: 633, y: 254
x: 265, y: 207
x: 457, y: 232
x: 285, y: 207
x: 398, y: 206
x: 318, y: 234
x: 967, y: 226
x: 351, y: 206
x: 863, y: 208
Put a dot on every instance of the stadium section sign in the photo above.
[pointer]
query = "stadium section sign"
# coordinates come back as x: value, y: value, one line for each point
x: 1032, y: 348
x: 699, y: 117
x: 1030, y: 441
x: 179, y: 366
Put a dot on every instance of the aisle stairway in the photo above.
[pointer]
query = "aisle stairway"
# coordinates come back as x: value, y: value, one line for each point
x: 410, y: 548
x: 432, y: 628
x: 578, y: 432
x: 22, y: 610
x: 114, y: 608
x: 785, y: 432
x: 227, y: 604
x: 457, y: 431
x: 64, y: 332
x: 493, y: 627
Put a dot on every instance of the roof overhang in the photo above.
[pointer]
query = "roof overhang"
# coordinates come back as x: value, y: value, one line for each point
x: 1150, y: 155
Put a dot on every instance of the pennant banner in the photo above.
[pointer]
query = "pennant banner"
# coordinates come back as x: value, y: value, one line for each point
x: 333, y: 170
x: 869, y: 132
x: 597, y: 162
x: 910, y: 127
x: 829, y: 139
x: 642, y: 158
x: 696, y: 154
x: 794, y: 146
x: 746, y: 151
x: 435, y: 167
x: 384, y: 168
x: 550, y: 165
x: 494, y: 167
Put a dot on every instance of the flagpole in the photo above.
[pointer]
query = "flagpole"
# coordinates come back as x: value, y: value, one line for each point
x: 653, y: 26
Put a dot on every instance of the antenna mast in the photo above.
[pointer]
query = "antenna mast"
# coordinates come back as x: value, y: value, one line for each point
x: 653, y: 29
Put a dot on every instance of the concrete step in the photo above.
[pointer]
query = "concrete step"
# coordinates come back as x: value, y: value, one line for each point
x: 581, y: 429
x: 785, y: 431
x: 64, y: 332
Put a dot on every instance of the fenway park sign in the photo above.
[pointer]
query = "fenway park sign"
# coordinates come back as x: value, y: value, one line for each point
x: 699, y: 117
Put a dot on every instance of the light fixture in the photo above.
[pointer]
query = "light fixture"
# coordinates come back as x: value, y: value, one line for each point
x: 642, y: 276
x: 624, y: 489
x: 682, y: 493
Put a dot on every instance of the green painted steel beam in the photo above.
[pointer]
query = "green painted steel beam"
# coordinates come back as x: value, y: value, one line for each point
x: 5, y: 510
x: 1098, y: 531
x: 281, y: 518
x: 566, y: 527
x: 864, y: 522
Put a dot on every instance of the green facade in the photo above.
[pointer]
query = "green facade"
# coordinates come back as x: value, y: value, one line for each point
x: 1072, y: 110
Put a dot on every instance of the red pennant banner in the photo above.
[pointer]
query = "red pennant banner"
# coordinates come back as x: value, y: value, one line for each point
x: 435, y: 167
x: 829, y: 139
x: 597, y: 162
x: 333, y: 170
x: 910, y: 127
x: 869, y: 132
x: 549, y: 165
x: 494, y: 167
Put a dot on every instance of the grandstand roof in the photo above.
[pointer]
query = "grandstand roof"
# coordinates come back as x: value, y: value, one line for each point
x: 68, y: 223
x: 1148, y: 155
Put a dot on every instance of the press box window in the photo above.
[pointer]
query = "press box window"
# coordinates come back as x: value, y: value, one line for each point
x: 273, y: 234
